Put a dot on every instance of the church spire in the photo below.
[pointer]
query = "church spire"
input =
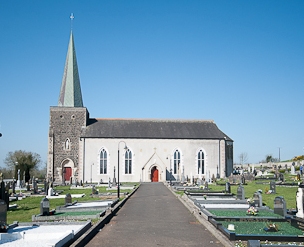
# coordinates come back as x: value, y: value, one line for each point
x: 70, y: 93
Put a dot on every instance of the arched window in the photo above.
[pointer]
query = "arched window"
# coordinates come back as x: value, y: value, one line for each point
x: 200, y: 162
x: 128, y: 162
x: 176, y: 162
x: 103, y: 161
x: 67, y: 144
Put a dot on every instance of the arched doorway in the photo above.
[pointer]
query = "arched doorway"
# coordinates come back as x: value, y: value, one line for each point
x: 67, y: 170
x: 154, y: 174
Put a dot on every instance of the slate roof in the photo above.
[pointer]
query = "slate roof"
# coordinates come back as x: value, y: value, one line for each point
x: 153, y: 129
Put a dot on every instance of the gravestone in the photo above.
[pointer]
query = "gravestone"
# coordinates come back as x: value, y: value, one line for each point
x: 50, y: 191
x: 280, y: 206
x: 243, y: 181
x: 273, y: 187
x: 300, y: 201
x: 109, y: 183
x: 206, y: 186
x: 114, y: 178
x: 18, y: 181
x: 68, y: 199
x: 257, y: 198
x: 4, y: 195
x: 44, y: 207
x: 28, y: 187
x: 281, y: 177
x: 94, y: 191
x: 240, y: 193
x: 14, y: 186
x: 227, y: 187
x: 199, y: 182
x: 293, y: 170
x: 286, y: 168
x: 3, y: 216
x: 35, y: 186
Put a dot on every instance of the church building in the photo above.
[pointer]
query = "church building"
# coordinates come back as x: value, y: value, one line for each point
x: 85, y: 149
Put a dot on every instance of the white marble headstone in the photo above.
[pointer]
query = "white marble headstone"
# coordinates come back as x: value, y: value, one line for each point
x: 299, y: 198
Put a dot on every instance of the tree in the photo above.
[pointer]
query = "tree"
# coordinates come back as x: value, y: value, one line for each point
x: 23, y: 161
x: 243, y: 158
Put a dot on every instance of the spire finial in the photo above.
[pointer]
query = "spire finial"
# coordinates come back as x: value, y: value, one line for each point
x: 72, y: 18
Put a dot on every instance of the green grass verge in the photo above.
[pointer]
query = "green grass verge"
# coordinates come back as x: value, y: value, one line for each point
x: 31, y: 205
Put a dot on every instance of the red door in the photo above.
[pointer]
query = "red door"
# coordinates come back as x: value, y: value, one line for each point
x: 68, y: 173
x: 154, y: 174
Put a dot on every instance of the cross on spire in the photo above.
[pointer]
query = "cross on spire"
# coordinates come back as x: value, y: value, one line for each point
x: 72, y: 18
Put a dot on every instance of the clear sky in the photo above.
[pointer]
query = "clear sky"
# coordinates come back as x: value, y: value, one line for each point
x: 239, y: 63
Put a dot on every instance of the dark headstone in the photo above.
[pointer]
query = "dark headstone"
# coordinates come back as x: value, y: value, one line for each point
x: 227, y: 187
x: 45, y: 207
x: 273, y: 187
x: 281, y: 177
x: 253, y: 243
x: 35, y: 186
x: 3, y: 216
x: 240, y: 193
x: 243, y: 181
x: 279, y: 206
x: 68, y: 199
x: 94, y: 190
x: 14, y: 186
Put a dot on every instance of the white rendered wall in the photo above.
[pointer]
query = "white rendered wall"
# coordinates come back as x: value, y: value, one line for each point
x: 148, y: 153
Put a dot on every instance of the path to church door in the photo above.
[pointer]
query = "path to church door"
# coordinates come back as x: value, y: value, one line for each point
x: 68, y: 173
x: 154, y: 174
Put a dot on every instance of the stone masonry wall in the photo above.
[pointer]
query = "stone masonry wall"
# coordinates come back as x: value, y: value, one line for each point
x: 65, y: 124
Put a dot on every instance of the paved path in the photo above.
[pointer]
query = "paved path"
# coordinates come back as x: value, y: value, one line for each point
x: 153, y: 216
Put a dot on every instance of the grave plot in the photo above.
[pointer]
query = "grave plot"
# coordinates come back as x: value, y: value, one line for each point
x: 73, y: 211
x: 219, y: 199
x: 44, y: 234
x: 255, y: 222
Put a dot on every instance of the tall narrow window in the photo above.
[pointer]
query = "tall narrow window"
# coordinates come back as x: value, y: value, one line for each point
x: 103, y: 161
x: 176, y: 162
x: 128, y: 162
x: 67, y: 144
x: 200, y: 162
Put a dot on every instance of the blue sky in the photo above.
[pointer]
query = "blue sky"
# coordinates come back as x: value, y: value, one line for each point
x: 239, y: 63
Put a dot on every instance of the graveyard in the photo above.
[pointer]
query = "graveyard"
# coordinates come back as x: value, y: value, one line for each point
x: 40, y: 210
x: 268, y: 207
x: 243, y: 207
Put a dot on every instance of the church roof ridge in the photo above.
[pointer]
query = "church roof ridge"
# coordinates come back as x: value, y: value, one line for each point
x: 157, y: 119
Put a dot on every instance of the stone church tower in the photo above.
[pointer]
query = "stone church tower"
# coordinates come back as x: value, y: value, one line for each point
x: 66, y: 123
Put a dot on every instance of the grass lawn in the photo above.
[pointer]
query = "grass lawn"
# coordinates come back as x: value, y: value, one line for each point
x: 31, y: 205
x: 289, y: 193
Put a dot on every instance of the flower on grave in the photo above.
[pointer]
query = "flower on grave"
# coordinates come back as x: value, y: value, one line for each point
x: 250, y: 200
x: 205, y: 197
x: 252, y: 211
x: 272, y: 227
